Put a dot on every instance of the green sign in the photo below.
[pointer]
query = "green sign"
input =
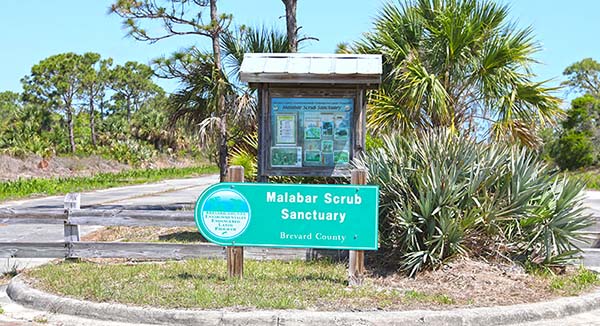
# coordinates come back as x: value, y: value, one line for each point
x: 289, y: 216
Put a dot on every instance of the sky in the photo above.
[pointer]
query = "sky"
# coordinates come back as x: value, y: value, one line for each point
x: 31, y: 30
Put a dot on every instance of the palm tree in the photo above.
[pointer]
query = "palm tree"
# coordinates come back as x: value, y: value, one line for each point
x: 195, y: 103
x: 457, y: 64
x: 251, y: 40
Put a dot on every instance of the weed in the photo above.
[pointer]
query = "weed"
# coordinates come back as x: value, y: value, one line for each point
x: 576, y: 283
x: 442, y: 299
x: 12, y: 269
x: 40, y: 319
x: 415, y: 295
x: 418, y: 296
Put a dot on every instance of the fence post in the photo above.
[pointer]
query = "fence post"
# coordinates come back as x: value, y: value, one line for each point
x: 356, y: 263
x: 235, y: 255
x: 72, y: 202
x: 71, y: 231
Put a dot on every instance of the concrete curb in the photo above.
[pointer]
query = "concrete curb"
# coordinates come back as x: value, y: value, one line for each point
x: 19, y: 291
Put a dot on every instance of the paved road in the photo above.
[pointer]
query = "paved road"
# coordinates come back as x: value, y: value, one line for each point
x: 165, y: 193
x: 168, y: 194
x: 592, y: 201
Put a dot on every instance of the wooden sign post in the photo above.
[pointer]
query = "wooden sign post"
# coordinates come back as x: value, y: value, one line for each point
x: 235, y: 255
x: 356, y: 263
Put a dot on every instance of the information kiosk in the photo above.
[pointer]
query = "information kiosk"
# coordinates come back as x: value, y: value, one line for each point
x: 312, y: 110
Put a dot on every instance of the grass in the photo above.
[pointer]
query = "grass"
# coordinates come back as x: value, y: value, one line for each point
x: 22, y: 188
x: 204, y: 284
x: 12, y: 270
x: 423, y: 297
x: 316, y: 285
x: 574, y: 284
x: 591, y: 177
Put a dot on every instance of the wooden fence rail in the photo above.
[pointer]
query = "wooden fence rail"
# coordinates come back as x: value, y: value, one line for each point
x: 99, y: 217
x: 33, y: 250
x: 132, y: 218
x: 73, y: 248
x: 46, y: 216
x: 136, y: 250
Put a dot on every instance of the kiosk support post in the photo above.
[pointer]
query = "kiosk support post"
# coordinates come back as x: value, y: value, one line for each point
x: 356, y: 264
x: 235, y: 255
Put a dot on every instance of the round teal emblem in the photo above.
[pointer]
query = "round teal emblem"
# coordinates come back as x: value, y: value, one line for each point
x: 224, y: 214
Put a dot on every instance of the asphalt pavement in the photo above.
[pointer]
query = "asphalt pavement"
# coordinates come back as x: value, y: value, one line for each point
x: 592, y: 201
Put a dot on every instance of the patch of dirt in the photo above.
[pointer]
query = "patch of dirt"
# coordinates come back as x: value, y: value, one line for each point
x: 4, y: 279
x: 33, y: 166
x: 165, y: 161
x: 472, y: 283
x: 145, y: 234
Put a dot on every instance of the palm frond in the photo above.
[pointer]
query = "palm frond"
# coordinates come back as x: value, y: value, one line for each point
x: 459, y: 63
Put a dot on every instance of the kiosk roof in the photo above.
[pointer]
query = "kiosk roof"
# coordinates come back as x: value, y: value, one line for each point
x: 311, y: 68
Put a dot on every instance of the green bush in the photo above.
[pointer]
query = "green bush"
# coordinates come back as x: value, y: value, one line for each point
x: 574, y: 150
x: 246, y: 160
x: 129, y: 151
x: 444, y: 195
x: 243, y: 154
x: 372, y: 142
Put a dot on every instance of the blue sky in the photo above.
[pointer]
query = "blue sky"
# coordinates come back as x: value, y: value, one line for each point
x: 31, y: 30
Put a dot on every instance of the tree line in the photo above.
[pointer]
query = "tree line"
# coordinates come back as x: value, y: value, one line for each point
x: 59, y: 81
x: 575, y: 142
x: 65, y: 89
x: 442, y: 68
x: 122, y: 102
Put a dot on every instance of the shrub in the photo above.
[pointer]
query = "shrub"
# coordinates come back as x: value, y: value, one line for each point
x: 129, y: 151
x: 244, y: 153
x: 246, y: 160
x: 574, y: 150
x: 372, y: 142
x: 443, y: 195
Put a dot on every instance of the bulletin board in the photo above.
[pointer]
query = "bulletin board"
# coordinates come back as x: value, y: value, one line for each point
x: 311, y: 132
